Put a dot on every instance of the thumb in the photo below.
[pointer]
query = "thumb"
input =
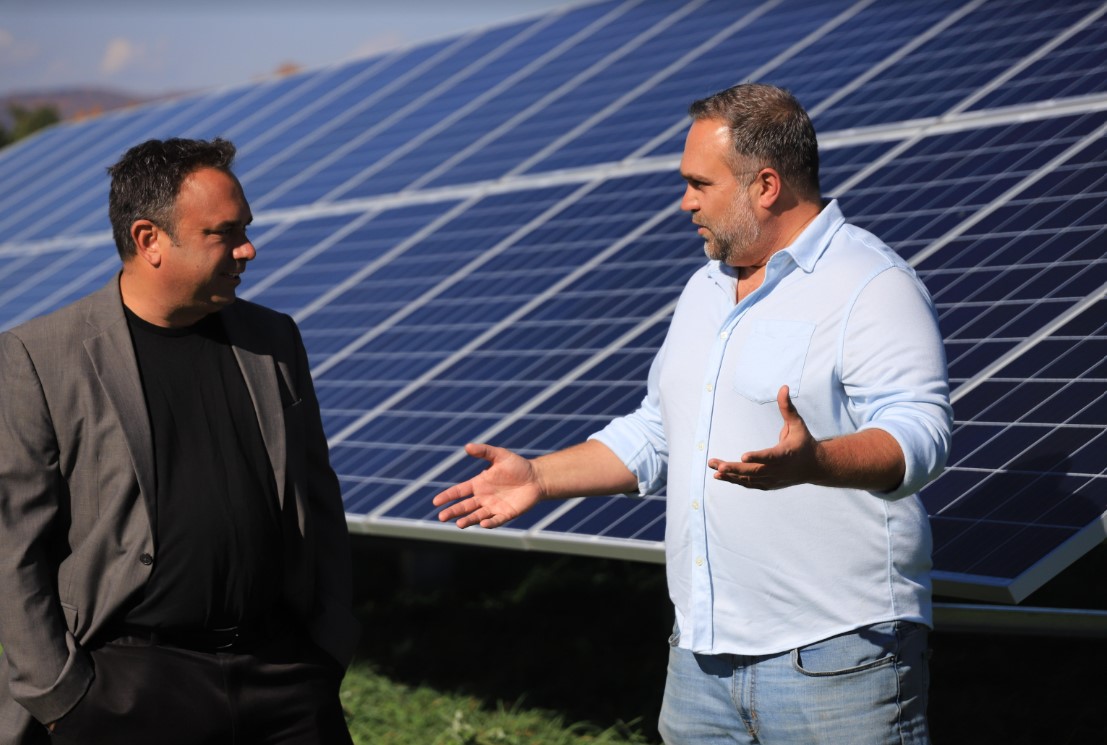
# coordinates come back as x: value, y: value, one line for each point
x: 784, y: 402
x: 481, y: 450
x: 788, y: 411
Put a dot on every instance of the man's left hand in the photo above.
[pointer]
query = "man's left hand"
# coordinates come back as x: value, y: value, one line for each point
x: 793, y: 460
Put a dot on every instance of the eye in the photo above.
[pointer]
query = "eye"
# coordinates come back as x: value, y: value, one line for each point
x: 229, y: 231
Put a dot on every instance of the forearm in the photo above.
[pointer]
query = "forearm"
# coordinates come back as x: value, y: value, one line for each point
x: 587, y: 469
x: 870, y: 460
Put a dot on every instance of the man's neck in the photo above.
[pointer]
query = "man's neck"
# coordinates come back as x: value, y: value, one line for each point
x: 145, y: 305
x: 788, y: 227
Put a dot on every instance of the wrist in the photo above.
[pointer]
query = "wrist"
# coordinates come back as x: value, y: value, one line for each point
x: 821, y: 459
x: 541, y: 478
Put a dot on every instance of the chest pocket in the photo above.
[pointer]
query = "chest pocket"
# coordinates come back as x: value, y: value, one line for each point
x: 772, y: 356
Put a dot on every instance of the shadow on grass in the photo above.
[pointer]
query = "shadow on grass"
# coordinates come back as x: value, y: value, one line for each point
x: 586, y: 638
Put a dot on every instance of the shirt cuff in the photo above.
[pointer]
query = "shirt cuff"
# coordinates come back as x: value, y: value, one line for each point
x: 639, y: 456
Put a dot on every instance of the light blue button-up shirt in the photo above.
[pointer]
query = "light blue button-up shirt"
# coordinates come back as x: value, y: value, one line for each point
x: 846, y: 324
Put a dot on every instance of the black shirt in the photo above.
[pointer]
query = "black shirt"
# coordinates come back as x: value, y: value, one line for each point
x: 217, y: 535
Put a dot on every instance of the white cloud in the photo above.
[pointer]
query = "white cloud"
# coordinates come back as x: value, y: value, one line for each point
x: 120, y: 54
x: 13, y: 50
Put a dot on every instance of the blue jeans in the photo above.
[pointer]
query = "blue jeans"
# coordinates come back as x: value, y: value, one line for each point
x: 861, y: 688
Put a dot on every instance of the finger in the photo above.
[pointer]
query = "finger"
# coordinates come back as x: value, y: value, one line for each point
x: 457, y: 491
x: 493, y: 521
x: 460, y: 509
x: 748, y: 480
x: 468, y: 520
x: 761, y: 457
x: 737, y: 473
x: 475, y: 516
x: 743, y: 466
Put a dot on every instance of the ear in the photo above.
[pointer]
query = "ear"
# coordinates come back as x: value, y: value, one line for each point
x: 148, y: 239
x: 768, y: 187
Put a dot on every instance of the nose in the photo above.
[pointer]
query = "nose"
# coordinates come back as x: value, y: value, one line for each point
x: 245, y: 251
x: 688, y: 202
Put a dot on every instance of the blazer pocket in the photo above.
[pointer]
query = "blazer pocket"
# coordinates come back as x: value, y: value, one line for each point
x: 772, y: 356
x: 70, y: 612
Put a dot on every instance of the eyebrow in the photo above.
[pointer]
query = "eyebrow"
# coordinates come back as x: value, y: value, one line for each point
x: 227, y: 224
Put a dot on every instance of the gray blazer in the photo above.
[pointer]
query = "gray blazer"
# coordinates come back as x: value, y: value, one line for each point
x: 76, y: 493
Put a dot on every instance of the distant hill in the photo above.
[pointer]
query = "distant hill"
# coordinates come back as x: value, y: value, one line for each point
x: 73, y: 103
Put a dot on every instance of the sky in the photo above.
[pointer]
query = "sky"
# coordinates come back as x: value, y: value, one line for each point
x: 154, y: 47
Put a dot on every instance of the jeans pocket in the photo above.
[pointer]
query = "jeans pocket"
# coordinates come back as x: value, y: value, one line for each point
x: 674, y: 638
x: 864, y: 649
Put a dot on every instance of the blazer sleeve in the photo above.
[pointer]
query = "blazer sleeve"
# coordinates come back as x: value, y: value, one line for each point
x: 48, y: 671
x: 333, y: 626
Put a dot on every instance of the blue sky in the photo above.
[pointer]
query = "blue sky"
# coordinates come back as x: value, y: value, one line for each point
x: 149, y: 47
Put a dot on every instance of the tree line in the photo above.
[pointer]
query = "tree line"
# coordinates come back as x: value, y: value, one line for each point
x: 26, y: 121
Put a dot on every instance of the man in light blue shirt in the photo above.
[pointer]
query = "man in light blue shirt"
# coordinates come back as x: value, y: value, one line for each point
x: 798, y: 404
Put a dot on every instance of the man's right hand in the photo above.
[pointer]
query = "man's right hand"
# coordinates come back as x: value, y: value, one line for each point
x: 506, y: 489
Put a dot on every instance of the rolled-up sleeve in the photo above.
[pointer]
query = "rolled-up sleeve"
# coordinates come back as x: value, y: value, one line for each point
x: 638, y: 439
x: 894, y: 373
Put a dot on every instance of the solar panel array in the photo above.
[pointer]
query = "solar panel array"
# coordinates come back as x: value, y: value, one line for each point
x: 480, y: 240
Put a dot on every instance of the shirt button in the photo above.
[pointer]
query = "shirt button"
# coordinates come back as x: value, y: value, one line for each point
x: 699, y: 561
x: 709, y: 387
x: 699, y: 446
x: 695, y: 505
x: 723, y: 335
x: 146, y: 559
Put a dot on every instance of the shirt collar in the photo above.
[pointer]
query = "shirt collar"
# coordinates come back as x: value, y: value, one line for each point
x: 808, y: 247
x: 805, y: 250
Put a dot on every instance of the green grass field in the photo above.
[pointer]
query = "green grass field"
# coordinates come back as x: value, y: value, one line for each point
x: 383, y: 712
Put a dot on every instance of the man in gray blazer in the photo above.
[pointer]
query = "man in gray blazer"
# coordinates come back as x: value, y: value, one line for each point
x: 174, y: 559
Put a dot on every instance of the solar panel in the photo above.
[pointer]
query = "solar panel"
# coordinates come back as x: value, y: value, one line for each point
x: 480, y: 239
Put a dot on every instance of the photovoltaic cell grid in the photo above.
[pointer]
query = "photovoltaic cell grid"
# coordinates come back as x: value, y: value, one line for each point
x: 480, y: 240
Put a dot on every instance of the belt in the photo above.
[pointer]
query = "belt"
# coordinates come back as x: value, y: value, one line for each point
x: 229, y: 639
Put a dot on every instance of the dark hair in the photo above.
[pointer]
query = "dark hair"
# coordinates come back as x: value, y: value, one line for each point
x: 146, y: 180
x: 768, y: 125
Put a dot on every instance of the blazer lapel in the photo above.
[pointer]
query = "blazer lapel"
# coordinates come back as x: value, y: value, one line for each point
x: 260, y: 374
x: 113, y: 357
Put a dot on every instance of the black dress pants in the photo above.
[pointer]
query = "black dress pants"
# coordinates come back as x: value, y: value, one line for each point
x: 283, y: 692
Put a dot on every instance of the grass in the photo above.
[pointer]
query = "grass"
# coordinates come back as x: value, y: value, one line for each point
x: 383, y: 712
x: 488, y: 646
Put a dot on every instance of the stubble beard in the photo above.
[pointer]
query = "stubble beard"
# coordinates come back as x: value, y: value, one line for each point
x: 737, y: 231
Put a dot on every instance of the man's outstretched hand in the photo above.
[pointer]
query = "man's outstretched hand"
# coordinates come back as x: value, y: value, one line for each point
x: 793, y: 460
x: 506, y: 489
